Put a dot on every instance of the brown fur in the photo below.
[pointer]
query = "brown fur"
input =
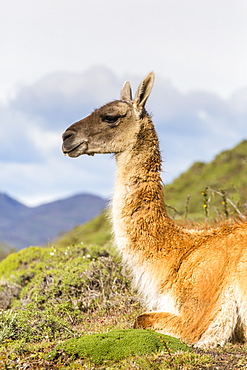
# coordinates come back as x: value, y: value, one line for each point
x: 193, y: 281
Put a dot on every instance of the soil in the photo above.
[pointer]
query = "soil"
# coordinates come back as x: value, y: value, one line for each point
x: 226, y: 358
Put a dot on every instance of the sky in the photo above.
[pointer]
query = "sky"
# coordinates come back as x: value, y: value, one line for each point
x: 62, y: 59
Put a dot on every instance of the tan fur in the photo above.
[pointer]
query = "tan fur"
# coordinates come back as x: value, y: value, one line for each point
x: 193, y: 281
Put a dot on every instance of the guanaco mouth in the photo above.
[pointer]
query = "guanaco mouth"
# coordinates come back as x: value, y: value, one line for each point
x: 77, y: 150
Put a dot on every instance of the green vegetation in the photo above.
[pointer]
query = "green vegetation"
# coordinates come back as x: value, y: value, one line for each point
x: 227, y: 174
x: 61, y: 295
x: 97, y: 231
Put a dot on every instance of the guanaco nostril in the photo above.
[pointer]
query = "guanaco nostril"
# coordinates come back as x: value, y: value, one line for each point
x: 67, y: 135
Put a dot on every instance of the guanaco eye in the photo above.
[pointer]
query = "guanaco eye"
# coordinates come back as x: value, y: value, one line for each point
x: 110, y: 119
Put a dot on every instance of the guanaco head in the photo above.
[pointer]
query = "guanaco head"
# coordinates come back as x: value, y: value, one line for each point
x: 111, y: 128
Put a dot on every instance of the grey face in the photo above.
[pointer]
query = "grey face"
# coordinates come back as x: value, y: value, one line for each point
x: 112, y: 128
x: 104, y: 131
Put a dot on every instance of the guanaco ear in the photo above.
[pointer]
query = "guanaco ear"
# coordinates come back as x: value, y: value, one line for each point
x: 126, y: 93
x: 144, y: 91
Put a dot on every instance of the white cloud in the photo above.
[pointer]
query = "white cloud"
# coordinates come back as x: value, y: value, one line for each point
x: 192, y: 126
x: 60, y: 98
x: 16, y: 142
x: 197, y: 44
x: 58, y: 178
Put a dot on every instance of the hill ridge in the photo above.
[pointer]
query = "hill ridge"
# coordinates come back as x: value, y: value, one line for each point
x: 227, y: 171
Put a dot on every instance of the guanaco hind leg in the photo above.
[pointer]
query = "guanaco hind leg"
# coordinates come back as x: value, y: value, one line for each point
x: 161, y: 321
x: 223, y: 324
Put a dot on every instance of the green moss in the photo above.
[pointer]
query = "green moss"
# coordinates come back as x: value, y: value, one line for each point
x: 119, y: 344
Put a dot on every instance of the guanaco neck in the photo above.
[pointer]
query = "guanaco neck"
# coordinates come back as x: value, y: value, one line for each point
x: 141, y: 224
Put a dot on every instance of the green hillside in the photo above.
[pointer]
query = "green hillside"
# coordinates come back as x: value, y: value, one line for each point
x: 96, y: 231
x: 226, y: 173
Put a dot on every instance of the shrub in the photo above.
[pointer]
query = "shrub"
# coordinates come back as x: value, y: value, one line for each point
x: 51, y: 291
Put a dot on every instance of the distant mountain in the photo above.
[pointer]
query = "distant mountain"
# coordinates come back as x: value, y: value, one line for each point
x: 22, y: 226
x: 227, y: 172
